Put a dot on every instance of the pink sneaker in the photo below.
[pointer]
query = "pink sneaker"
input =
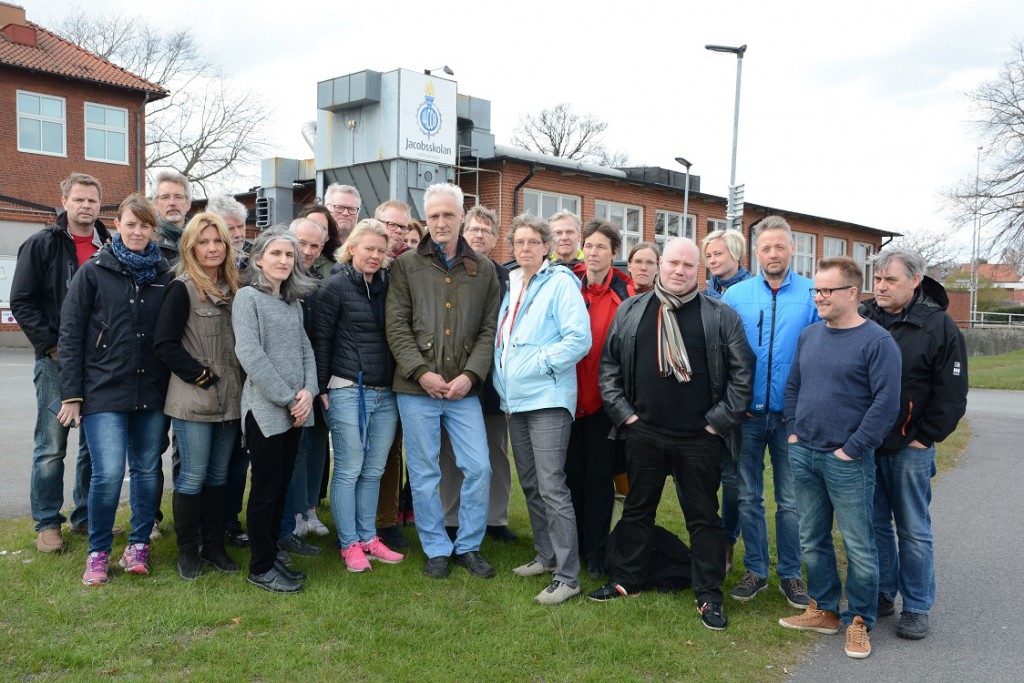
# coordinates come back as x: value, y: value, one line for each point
x: 355, y: 558
x: 135, y: 559
x: 376, y: 550
x: 96, y: 569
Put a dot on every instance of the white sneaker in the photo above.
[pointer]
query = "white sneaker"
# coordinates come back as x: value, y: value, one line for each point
x: 155, y: 533
x: 555, y: 593
x: 315, y: 525
x: 301, y: 528
x: 532, y: 568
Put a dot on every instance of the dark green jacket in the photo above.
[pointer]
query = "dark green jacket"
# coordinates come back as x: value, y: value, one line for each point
x: 441, y: 319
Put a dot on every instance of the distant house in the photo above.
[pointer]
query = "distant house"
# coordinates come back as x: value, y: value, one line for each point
x: 62, y: 109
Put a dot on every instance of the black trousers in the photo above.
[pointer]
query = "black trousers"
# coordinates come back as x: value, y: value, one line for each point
x: 589, y: 471
x: 273, y: 461
x: 696, y: 465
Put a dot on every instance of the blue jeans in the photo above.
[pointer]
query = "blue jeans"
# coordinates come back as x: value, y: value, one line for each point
x: 304, y: 490
x: 730, y: 497
x: 422, y: 418
x: 46, y: 491
x: 113, y: 437
x: 205, y: 449
x: 359, y: 458
x: 760, y: 431
x: 903, y: 492
x: 828, y: 487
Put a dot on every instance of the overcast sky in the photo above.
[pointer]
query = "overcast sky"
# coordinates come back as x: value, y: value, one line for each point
x: 854, y: 111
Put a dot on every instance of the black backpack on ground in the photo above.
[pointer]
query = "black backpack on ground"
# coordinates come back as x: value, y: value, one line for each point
x: 668, y: 568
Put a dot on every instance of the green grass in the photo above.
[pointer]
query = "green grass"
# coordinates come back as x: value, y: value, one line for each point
x: 1005, y: 371
x: 390, y: 625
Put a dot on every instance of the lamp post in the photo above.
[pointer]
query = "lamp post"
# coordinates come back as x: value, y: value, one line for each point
x: 975, y: 241
x: 447, y: 69
x: 686, y: 194
x: 739, y: 52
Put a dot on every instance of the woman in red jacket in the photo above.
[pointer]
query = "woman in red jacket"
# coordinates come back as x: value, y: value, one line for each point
x: 590, y: 461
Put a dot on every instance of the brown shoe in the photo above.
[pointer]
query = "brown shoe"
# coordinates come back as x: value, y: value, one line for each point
x: 50, y: 540
x: 858, y: 645
x: 817, y: 620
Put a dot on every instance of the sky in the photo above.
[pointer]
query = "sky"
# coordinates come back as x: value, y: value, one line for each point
x: 851, y: 111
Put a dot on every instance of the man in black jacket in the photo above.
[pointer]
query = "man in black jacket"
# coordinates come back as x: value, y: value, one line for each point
x: 46, y: 263
x: 675, y: 379
x: 933, y: 398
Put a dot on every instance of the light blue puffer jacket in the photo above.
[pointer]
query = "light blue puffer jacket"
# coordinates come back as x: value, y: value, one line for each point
x: 535, y: 361
x: 773, y: 323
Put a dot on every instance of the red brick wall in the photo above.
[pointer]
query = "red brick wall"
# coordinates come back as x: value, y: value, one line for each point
x: 959, y: 307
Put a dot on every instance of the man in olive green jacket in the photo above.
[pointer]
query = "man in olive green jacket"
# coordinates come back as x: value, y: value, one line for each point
x: 442, y: 313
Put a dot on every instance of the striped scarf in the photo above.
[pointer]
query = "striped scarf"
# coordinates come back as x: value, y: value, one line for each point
x: 672, y: 358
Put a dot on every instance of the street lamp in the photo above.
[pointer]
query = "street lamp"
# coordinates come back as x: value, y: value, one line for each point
x: 447, y: 69
x: 686, y: 194
x: 739, y: 52
x: 975, y: 241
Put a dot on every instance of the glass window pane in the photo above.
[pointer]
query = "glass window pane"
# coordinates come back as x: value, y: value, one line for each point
x: 571, y: 205
x: 94, y: 115
x: 601, y: 210
x: 530, y: 203
x: 659, y: 223
x: 673, y: 225
x: 28, y: 104
x: 28, y: 133
x: 95, y: 144
x: 53, y: 108
x: 550, y: 205
x: 53, y: 137
x: 117, y: 118
x: 616, y: 215
x: 633, y: 220
x: 116, y: 147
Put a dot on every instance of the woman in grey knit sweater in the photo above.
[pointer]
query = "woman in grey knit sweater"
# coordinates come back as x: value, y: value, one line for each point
x: 277, y: 398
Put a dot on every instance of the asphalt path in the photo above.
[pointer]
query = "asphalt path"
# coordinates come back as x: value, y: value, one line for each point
x: 977, y: 509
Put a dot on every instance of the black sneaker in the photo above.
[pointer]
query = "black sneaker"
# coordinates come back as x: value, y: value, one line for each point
x: 235, y: 537
x: 392, y: 537
x: 289, y: 572
x: 437, y: 567
x: 610, y: 591
x: 474, y: 564
x: 886, y: 607
x: 912, y: 626
x: 795, y: 592
x: 294, y: 544
x: 749, y: 586
x: 711, y: 615
x: 284, y: 558
x: 275, y: 582
x: 501, y: 534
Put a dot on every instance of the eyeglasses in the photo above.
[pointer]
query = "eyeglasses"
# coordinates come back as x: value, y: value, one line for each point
x: 826, y: 292
x: 169, y: 197
x: 391, y: 225
x: 532, y: 244
x: 341, y: 208
x: 478, y: 230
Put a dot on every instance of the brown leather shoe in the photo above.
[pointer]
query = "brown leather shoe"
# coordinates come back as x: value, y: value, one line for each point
x: 50, y: 540
x: 814, y: 619
x: 858, y: 645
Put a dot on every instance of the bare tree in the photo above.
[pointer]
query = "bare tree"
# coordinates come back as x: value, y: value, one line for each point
x: 935, y: 247
x: 563, y: 133
x: 999, y: 197
x: 207, y: 130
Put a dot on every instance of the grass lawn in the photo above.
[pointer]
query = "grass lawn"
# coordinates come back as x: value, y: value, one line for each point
x: 390, y: 625
x: 1005, y: 371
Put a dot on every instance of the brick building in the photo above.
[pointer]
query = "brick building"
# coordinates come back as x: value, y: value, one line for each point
x: 62, y: 109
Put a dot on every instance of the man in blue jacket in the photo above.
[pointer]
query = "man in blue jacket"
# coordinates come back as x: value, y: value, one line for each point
x: 775, y: 307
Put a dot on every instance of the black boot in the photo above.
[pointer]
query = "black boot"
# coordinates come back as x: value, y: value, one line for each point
x: 187, y: 510
x: 213, y: 551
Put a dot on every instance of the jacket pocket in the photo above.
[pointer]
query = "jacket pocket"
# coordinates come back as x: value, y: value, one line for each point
x: 101, y: 337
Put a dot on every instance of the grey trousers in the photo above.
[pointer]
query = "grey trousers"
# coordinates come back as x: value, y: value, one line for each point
x: 501, y: 475
x: 539, y: 441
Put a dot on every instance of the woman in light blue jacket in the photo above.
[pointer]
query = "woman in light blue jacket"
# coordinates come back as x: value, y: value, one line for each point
x: 543, y: 331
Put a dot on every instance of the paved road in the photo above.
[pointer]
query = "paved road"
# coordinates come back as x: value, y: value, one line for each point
x: 977, y: 510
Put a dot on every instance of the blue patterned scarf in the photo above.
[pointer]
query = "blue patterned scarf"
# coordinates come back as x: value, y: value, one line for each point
x: 716, y: 287
x: 142, y: 265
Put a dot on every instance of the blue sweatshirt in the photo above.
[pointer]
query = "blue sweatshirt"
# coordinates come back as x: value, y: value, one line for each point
x: 844, y: 388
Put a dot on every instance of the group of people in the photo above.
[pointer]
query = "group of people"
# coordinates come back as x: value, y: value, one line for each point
x: 383, y: 340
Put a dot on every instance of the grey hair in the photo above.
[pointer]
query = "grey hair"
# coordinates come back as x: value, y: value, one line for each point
x: 338, y: 188
x: 913, y: 262
x: 298, y: 284
x: 444, y: 189
x: 226, y: 206
x: 483, y: 215
x: 733, y: 239
x: 299, y: 221
x: 566, y: 213
x: 772, y: 223
x: 526, y: 220
x: 171, y: 177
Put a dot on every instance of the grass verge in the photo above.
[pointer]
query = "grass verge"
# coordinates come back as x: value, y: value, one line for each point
x: 1005, y: 371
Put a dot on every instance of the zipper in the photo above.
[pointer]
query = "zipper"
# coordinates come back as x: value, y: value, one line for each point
x: 771, y: 353
x: 910, y: 414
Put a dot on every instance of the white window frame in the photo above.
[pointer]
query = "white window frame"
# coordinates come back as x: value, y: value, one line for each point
x: 829, y: 249
x: 687, y: 227
x: 630, y: 238
x: 63, y: 121
x: 805, y: 253
x: 105, y: 129
x: 562, y: 199
x: 717, y: 224
x: 864, y: 260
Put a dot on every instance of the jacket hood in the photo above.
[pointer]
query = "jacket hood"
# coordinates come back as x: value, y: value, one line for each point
x: 930, y: 297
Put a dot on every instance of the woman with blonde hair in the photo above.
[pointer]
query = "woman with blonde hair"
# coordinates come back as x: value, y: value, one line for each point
x: 195, y: 340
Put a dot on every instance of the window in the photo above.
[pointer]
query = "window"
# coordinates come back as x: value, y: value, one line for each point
x: 834, y: 247
x: 717, y: 224
x: 862, y: 253
x: 803, y: 259
x: 670, y: 224
x: 544, y: 204
x: 106, y: 133
x: 628, y: 219
x: 41, y: 124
